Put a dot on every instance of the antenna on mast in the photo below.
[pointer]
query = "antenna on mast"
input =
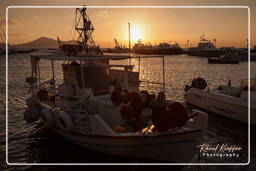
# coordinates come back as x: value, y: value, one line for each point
x: 84, y: 27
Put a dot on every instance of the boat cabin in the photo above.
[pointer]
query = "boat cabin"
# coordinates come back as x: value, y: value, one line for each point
x: 87, y: 85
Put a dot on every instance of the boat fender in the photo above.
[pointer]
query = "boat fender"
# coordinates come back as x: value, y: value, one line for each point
x: 65, y: 122
x: 131, y: 116
x: 32, y: 114
x: 116, y: 97
x: 174, y: 116
x: 33, y: 101
x: 199, y: 83
x: 47, y: 118
x: 42, y: 94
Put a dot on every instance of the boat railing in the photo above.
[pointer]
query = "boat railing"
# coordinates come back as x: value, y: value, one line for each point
x: 35, y: 57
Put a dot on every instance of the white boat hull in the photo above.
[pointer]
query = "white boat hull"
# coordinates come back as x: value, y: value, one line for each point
x: 180, y: 147
x: 224, y: 105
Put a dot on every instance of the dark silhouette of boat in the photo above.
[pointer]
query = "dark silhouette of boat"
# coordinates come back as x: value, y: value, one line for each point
x: 229, y: 57
x: 160, y: 49
x: 216, y: 60
x: 205, y: 48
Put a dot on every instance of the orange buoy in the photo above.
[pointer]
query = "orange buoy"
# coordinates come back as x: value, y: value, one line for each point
x: 125, y: 96
x: 161, y: 99
x: 174, y: 116
x: 144, y: 97
x: 116, y: 97
x: 131, y: 116
x: 159, y: 115
x: 177, y: 107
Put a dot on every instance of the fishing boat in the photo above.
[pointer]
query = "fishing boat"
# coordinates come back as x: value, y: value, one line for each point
x: 228, y: 58
x: 221, y: 60
x: 228, y: 101
x: 98, y: 105
x: 160, y: 49
x: 205, y: 48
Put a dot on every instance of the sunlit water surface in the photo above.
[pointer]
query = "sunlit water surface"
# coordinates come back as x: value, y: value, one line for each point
x: 32, y: 143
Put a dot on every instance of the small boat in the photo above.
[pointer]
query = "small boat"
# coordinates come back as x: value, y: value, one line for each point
x: 228, y: 58
x: 228, y: 101
x: 223, y: 61
x: 100, y: 107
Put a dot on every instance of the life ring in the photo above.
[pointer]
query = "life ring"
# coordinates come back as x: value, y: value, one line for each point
x: 65, y: 122
x: 116, y: 97
x: 47, y: 118
x: 32, y: 114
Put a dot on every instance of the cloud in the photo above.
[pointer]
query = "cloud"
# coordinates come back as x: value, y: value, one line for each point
x: 10, y: 22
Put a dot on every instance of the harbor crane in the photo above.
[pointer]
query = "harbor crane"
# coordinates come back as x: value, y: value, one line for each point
x: 117, y: 46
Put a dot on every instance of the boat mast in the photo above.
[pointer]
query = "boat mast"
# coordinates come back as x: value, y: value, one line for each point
x: 129, y: 31
x: 84, y: 27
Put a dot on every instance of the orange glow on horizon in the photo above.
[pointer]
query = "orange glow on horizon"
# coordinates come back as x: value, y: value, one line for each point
x: 150, y: 25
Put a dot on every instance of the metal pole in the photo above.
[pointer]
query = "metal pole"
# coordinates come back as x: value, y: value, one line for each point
x: 139, y: 68
x: 38, y: 68
x: 129, y: 43
x: 139, y: 64
x: 53, y: 73
x: 163, y: 75
x: 82, y: 72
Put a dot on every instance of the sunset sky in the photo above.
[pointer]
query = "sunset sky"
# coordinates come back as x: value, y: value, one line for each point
x: 228, y: 26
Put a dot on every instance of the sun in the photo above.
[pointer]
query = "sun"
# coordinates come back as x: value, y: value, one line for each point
x: 136, y: 33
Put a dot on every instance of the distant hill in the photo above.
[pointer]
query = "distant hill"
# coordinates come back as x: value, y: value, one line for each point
x: 42, y: 42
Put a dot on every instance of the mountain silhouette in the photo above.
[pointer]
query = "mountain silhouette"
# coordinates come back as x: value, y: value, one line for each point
x: 41, y: 43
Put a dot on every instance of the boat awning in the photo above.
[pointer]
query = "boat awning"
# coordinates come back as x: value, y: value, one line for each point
x: 51, y: 56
